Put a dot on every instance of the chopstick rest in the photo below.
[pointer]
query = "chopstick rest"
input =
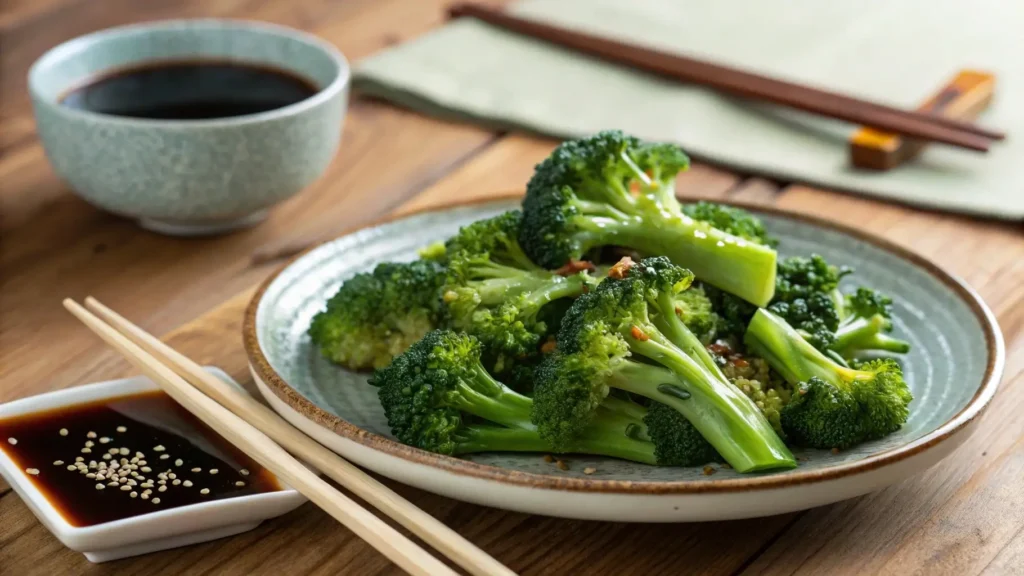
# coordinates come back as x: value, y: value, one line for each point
x: 963, y: 98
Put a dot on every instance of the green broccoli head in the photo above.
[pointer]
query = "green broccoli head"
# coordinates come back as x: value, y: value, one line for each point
x: 733, y: 313
x: 834, y: 406
x: 813, y: 315
x: 374, y: 316
x: 427, y: 390
x: 495, y: 238
x: 694, y: 308
x: 866, y: 302
x: 735, y: 221
x: 799, y: 277
x: 676, y: 441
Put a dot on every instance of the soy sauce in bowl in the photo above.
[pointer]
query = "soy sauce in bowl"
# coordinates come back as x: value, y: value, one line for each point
x: 190, y: 90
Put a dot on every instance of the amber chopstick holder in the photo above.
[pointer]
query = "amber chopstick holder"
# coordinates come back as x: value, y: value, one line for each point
x: 745, y: 84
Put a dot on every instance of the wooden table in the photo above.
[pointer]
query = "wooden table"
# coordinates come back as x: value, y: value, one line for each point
x: 965, y: 516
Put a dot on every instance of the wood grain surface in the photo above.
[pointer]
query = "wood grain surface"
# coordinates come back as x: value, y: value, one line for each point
x: 964, y: 516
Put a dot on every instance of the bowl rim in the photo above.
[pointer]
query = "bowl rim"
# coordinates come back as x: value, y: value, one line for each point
x: 969, y: 413
x: 341, y: 79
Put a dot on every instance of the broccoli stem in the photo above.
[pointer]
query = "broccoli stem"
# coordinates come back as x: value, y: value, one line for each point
x: 555, y: 288
x: 491, y: 400
x: 725, y: 417
x: 675, y: 329
x: 791, y: 356
x: 495, y: 290
x: 598, y: 440
x: 723, y: 260
x: 868, y: 334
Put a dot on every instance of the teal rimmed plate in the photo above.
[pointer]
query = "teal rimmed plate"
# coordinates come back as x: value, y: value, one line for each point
x: 953, y: 370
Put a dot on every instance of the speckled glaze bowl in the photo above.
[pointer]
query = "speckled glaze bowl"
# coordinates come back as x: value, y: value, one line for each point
x: 190, y: 177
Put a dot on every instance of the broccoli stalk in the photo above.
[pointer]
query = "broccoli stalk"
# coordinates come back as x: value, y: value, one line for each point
x: 866, y: 322
x: 834, y: 406
x: 437, y: 396
x: 494, y: 292
x: 611, y: 189
x: 632, y: 313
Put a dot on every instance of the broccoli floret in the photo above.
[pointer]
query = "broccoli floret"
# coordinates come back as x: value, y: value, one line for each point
x: 866, y: 323
x: 376, y: 315
x: 733, y: 313
x: 632, y: 313
x: 437, y: 396
x: 833, y: 406
x: 676, y: 441
x: 615, y: 190
x: 735, y: 221
x: 695, y: 310
x: 494, y: 292
x: 807, y: 297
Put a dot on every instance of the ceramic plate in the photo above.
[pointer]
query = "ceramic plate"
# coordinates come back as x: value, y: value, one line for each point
x: 953, y: 370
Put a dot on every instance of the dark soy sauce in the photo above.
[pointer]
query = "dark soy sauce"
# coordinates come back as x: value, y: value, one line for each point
x: 190, y: 90
x: 126, y: 456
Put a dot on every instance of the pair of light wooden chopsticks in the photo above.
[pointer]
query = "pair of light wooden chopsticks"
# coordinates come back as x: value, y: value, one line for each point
x: 267, y: 438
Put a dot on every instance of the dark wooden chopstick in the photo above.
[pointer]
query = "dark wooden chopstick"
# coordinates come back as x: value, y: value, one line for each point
x: 745, y: 84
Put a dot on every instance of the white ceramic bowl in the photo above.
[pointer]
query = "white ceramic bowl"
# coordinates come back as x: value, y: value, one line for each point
x: 160, y: 530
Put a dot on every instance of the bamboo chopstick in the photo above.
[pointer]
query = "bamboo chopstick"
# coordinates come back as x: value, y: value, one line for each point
x: 745, y: 84
x: 259, y: 447
x: 429, y: 529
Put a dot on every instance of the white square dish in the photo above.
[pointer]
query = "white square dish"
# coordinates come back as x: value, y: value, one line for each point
x: 160, y: 530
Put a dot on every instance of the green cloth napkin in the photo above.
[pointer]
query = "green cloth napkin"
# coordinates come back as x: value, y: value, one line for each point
x: 897, y: 52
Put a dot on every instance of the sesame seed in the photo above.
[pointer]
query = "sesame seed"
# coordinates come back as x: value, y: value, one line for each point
x: 90, y: 434
x: 125, y: 488
x: 187, y: 483
x: 204, y: 491
x: 197, y: 469
x: 158, y: 448
x: 141, y: 462
x: 122, y: 429
x: 72, y: 467
x: 132, y: 482
x: 161, y: 482
x: 162, y: 489
x: 156, y: 500
x: 171, y: 475
x: 112, y: 483
x: 146, y: 469
x: 165, y: 456
x: 239, y: 483
x: 134, y: 494
x: 58, y: 462
x: 89, y: 443
x: 140, y: 455
x: 100, y: 486
x: 107, y: 456
x: 176, y: 482
x: 90, y: 475
x: 243, y: 472
x: 145, y: 496
x: 104, y: 440
x: 179, y: 462
x: 79, y: 459
x: 101, y: 476
x: 32, y: 471
x: 213, y: 470
x: 125, y: 451
x: 113, y: 451
x: 86, y: 451
x: 63, y: 431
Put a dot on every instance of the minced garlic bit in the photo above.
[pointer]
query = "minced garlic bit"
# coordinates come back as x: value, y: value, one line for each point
x: 562, y: 465
x: 621, y: 268
x: 63, y: 431
x: 639, y: 334
x: 708, y: 470
x: 588, y: 470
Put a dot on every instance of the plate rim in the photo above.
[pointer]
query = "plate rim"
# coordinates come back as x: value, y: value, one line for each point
x: 995, y: 348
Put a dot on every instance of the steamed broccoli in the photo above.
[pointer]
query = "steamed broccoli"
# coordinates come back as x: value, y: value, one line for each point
x: 376, y: 315
x: 437, y: 396
x: 612, y: 189
x: 494, y: 292
x: 735, y: 221
x: 676, y: 441
x: 865, y: 325
x: 833, y: 406
x: 807, y: 297
x: 632, y: 313
x: 694, y: 308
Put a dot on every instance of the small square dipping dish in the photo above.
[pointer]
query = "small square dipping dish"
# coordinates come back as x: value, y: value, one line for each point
x: 159, y: 530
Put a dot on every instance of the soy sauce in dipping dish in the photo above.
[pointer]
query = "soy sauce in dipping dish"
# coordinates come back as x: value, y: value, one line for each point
x: 190, y: 90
